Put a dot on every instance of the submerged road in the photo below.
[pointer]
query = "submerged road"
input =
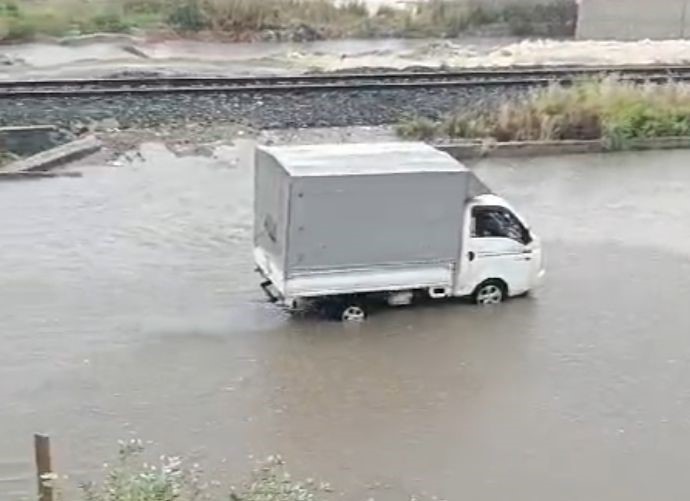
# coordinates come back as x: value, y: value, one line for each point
x: 129, y: 308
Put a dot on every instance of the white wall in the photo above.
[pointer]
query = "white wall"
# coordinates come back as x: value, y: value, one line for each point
x: 634, y: 19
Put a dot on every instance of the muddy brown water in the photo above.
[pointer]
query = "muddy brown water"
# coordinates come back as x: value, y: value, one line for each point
x: 129, y: 308
x: 107, y: 57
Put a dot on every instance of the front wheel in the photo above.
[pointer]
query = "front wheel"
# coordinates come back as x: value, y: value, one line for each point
x: 490, y: 292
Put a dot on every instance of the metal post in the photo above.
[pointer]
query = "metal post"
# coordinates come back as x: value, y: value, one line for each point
x: 43, y: 466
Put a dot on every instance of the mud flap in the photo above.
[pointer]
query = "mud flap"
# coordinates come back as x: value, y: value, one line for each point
x: 267, y: 286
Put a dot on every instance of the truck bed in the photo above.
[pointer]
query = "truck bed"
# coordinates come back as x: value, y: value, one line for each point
x: 355, y: 280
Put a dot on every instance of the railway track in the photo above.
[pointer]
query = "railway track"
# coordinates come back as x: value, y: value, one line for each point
x: 333, y: 82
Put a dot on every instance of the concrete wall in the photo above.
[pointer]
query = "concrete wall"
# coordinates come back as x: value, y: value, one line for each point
x: 633, y: 19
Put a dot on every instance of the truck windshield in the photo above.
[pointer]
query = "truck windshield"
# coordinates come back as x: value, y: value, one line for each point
x: 497, y: 222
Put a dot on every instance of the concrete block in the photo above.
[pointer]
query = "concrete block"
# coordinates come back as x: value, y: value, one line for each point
x: 660, y: 143
x: 467, y: 150
x: 23, y: 176
x: 56, y: 157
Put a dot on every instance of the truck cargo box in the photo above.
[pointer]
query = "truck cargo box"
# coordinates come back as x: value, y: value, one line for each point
x: 347, y: 218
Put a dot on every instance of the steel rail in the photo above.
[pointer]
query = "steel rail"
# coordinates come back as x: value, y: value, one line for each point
x: 333, y: 81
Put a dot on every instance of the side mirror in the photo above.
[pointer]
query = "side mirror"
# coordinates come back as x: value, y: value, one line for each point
x: 527, y: 236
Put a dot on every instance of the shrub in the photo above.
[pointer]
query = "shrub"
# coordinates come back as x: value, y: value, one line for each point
x: 555, y: 19
x: 187, y: 16
x: 417, y: 128
x: 144, y: 6
x: 447, y: 18
x: 469, y: 125
x: 608, y: 109
x: 355, y: 8
x: 6, y: 157
x: 108, y: 22
x: 131, y: 479
x: 21, y: 19
x: 386, y: 11
x: 26, y: 26
x: 271, y: 482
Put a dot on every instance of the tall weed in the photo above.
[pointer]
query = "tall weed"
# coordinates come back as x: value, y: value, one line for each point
x: 607, y: 109
x: 21, y: 19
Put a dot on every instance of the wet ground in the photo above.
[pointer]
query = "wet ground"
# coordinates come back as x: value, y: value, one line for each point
x: 113, y: 55
x: 120, y: 55
x: 129, y: 308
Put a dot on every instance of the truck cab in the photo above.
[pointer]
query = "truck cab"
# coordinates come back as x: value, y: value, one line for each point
x: 502, y: 256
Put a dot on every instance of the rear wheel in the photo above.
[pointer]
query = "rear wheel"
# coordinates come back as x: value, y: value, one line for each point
x: 490, y: 292
x: 353, y: 313
x: 344, y: 311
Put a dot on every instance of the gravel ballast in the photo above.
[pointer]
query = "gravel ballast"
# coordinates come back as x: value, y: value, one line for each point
x: 265, y: 110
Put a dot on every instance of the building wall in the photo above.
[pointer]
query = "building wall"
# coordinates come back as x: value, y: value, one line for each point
x: 633, y: 19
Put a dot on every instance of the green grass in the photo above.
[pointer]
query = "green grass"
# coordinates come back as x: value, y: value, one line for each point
x: 28, y: 19
x: 611, y: 110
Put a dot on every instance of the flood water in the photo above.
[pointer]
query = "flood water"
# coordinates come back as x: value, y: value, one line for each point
x: 129, y: 308
x: 108, y: 57
x: 118, y: 55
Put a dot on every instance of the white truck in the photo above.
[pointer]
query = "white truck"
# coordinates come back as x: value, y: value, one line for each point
x: 345, y: 226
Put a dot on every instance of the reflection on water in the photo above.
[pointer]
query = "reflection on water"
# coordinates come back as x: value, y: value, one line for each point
x: 130, y: 308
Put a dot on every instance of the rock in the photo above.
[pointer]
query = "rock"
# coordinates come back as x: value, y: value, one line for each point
x: 6, y: 60
x: 270, y: 36
x: 60, y: 136
x: 107, y: 124
x: 131, y: 49
x: 78, y: 127
x: 305, y: 33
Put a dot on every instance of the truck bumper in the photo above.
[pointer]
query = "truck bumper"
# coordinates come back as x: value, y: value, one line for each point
x: 539, y: 279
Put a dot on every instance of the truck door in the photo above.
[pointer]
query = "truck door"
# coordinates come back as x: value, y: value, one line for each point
x: 499, y: 247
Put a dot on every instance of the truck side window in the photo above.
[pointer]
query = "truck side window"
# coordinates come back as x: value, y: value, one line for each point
x: 497, y: 222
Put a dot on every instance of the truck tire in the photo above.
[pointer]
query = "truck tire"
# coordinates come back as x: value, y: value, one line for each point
x: 490, y: 292
x: 353, y: 312
x: 343, y: 310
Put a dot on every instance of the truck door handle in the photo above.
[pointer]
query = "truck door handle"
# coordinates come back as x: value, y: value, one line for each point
x: 470, y: 255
